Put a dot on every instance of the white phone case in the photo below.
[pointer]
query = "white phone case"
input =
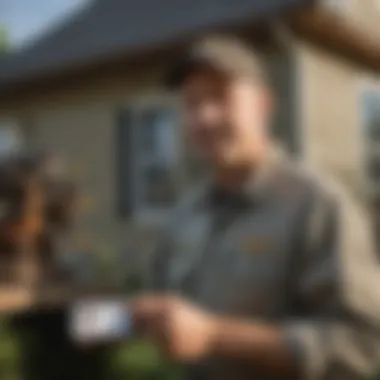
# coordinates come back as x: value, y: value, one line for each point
x: 95, y: 321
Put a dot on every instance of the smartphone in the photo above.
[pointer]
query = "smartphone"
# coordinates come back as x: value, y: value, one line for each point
x: 99, y: 321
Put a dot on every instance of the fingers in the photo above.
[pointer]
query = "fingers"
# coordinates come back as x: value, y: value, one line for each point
x: 152, y: 317
x: 148, y: 312
x: 177, y: 328
x: 152, y: 305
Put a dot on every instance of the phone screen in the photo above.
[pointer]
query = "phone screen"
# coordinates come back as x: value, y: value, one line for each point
x: 99, y: 321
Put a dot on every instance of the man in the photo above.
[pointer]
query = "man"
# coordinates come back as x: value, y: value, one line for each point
x: 266, y: 271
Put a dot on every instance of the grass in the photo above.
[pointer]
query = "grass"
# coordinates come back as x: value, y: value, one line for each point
x: 141, y: 361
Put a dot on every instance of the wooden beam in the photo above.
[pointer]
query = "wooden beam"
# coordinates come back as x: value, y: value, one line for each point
x: 336, y: 35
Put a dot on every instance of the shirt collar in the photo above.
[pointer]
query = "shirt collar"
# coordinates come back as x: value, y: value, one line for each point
x: 257, y: 186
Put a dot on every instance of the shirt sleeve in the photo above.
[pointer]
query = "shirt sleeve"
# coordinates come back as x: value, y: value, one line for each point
x: 335, y: 332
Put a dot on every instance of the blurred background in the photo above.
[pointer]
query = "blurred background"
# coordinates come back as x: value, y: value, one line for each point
x: 83, y: 79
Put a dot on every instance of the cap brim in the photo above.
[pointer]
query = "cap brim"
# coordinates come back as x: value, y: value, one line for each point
x: 187, y: 66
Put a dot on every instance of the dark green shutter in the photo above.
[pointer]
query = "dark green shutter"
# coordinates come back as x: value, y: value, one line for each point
x: 124, y: 162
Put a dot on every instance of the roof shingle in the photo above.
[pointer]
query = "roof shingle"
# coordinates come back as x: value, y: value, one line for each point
x: 106, y: 28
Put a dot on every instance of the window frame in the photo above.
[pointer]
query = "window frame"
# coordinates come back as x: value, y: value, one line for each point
x: 371, y: 187
x: 144, y: 213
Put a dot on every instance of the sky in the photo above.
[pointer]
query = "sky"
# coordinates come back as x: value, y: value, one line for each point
x: 25, y: 20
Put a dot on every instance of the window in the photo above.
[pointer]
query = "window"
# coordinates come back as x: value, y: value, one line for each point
x: 148, y: 141
x: 371, y: 117
x: 10, y: 138
x: 284, y: 128
x: 155, y: 157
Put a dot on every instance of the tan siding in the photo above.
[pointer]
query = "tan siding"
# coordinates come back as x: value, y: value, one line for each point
x: 83, y: 135
x: 330, y: 113
x: 363, y: 14
x: 79, y: 123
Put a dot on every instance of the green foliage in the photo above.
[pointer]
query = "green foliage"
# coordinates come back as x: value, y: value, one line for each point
x: 134, y: 361
x: 141, y: 361
x: 9, y: 355
x: 138, y: 360
x: 132, y: 284
x: 106, y: 264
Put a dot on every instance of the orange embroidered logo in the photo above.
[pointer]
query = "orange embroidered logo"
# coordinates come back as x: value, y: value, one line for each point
x: 257, y: 244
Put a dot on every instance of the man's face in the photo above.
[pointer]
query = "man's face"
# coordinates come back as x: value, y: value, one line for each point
x: 226, y: 118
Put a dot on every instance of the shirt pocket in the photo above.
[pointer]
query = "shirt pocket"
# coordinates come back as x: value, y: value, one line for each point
x: 255, y: 283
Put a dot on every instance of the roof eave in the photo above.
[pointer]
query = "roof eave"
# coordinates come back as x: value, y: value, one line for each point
x: 336, y: 35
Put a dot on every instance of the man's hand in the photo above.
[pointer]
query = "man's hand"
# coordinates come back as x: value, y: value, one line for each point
x: 180, y: 330
x: 187, y: 333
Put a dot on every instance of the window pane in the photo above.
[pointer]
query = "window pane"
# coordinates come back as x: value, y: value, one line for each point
x: 158, y: 149
x: 147, y: 132
x: 159, y: 186
x: 166, y: 136
x: 374, y: 127
x: 371, y: 110
x: 157, y: 137
x: 374, y: 168
x: 284, y: 124
x: 10, y: 139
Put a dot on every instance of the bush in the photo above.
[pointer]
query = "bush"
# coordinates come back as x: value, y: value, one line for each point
x: 9, y: 355
x: 141, y: 361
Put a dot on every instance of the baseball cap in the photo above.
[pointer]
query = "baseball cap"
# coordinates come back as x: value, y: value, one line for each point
x: 224, y: 54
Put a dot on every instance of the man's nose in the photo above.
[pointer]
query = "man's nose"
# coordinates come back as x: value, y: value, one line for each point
x: 209, y: 115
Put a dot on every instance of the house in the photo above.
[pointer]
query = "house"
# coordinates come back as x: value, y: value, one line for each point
x: 92, y: 90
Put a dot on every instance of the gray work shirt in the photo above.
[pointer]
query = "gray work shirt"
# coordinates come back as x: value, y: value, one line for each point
x: 291, y: 248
